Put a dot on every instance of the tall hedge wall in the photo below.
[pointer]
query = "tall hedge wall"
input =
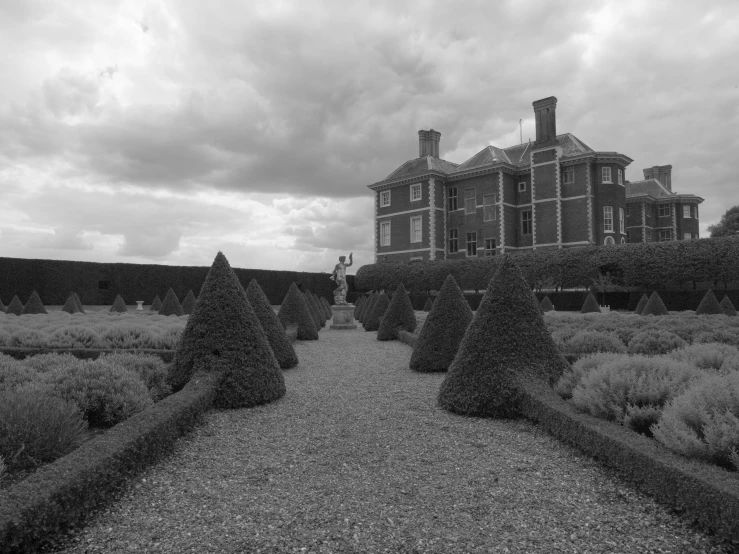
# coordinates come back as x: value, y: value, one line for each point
x: 100, y: 283
x: 645, y: 266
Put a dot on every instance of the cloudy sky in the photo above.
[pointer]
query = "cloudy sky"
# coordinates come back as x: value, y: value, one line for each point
x: 162, y: 131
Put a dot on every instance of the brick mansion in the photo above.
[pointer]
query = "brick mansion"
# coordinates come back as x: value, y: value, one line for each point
x: 556, y: 192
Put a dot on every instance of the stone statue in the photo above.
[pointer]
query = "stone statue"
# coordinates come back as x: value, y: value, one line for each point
x: 339, y: 277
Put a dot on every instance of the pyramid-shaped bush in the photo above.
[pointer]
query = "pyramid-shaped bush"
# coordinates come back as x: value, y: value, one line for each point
x: 443, y: 330
x: 317, y: 318
x: 70, y: 306
x: 156, y: 304
x: 398, y: 316
x: 34, y: 305
x: 294, y: 311
x: 171, y: 304
x: 317, y: 308
x: 546, y: 304
x: 223, y: 334
x: 2, y: 306
x: 326, y: 307
x: 273, y: 329
x: 655, y: 306
x: 727, y: 307
x: 188, y: 303
x: 590, y: 305
x: 361, y: 306
x: 78, y: 302
x: 378, y: 308
x: 642, y: 302
x: 15, y: 307
x: 370, y: 305
x: 119, y: 305
x: 506, y: 346
x: 709, y: 305
x: 428, y: 304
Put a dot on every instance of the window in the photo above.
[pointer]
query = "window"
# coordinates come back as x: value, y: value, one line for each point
x: 522, y: 186
x: 623, y: 240
x: 384, y: 198
x: 472, y: 244
x: 665, y: 235
x: 415, y: 229
x: 621, y: 220
x: 628, y: 211
x: 489, y: 247
x: 686, y: 211
x: 469, y: 201
x: 609, y: 241
x: 620, y: 176
x: 687, y: 236
x: 694, y: 211
x: 488, y: 207
x: 569, y: 175
x: 451, y: 194
x: 526, y: 223
x: 628, y: 235
x: 415, y: 192
x: 606, y: 174
x: 608, y: 219
x: 663, y: 210
x: 453, y: 240
x: 385, y: 233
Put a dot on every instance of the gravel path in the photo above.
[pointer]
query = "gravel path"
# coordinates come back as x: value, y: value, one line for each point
x: 358, y: 458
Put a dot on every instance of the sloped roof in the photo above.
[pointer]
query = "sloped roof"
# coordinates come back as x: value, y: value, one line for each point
x: 420, y: 166
x: 487, y: 156
x: 652, y: 187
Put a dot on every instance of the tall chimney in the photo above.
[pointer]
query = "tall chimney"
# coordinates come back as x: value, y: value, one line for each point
x: 663, y: 173
x: 546, y: 122
x: 428, y: 143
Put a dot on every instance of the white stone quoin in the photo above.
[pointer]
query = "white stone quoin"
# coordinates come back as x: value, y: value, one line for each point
x: 343, y: 316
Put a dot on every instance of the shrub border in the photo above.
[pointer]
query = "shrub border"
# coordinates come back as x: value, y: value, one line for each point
x: 63, y: 492
x: 84, y: 353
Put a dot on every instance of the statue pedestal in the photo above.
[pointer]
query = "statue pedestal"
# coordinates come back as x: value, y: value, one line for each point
x: 343, y: 316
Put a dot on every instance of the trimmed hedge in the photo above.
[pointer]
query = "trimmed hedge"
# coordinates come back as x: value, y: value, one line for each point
x: 590, y: 305
x: 399, y: 315
x: 294, y: 311
x: 654, y: 306
x: 81, y: 353
x: 15, y: 306
x: 709, y: 305
x: 171, y: 305
x: 443, y: 330
x: 640, y: 306
x: 429, y: 304
x: 156, y: 304
x: 317, y: 313
x: 63, y: 492
x: 273, y: 329
x: 34, y: 305
x: 370, y: 303
x: 2, y: 306
x: 189, y: 303
x: 78, y: 302
x: 119, y: 305
x: 727, y: 307
x: 378, y: 308
x: 70, y: 306
x: 323, y: 303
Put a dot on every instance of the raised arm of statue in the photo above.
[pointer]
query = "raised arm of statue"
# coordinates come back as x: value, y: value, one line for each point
x: 350, y: 259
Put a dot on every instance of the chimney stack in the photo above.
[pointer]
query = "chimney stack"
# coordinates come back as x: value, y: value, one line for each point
x: 428, y: 143
x: 663, y: 173
x: 546, y: 122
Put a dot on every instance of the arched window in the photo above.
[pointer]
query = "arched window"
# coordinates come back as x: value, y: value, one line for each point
x: 609, y: 241
x: 623, y: 240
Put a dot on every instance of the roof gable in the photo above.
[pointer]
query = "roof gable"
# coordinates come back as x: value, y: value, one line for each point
x: 419, y: 166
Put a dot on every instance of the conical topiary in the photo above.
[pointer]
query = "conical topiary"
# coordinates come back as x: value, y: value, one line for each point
x: 189, y: 303
x: 642, y: 302
x: 428, y: 304
x: 171, y: 304
x: 727, y: 307
x: 372, y: 321
x: 590, y: 305
x: 34, y: 305
x: 709, y: 305
x: 78, y: 302
x: 370, y: 305
x: 399, y: 315
x: 327, y: 307
x: 15, y: 307
x: 443, y: 330
x: 317, y: 319
x: 507, y: 345
x: 70, y: 306
x: 294, y: 311
x: 2, y: 306
x: 156, y: 304
x: 273, y: 329
x: 318, y: 308
x: 223, y: 334
x: 119, y: 305
x: 546, y: 305
x: 655, y: 306
x: 361, y: 305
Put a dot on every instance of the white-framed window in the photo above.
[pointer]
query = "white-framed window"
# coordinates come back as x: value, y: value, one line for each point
x: 608, y: 219
x: 385, y: 233
x: 416, y: 229
x: 453, y: 240
x: 526, y: 223
x: 569, y: 175
x: 488, y: 207
x: 522, y: 186
x: 470, y: 201
x: 686, y: 211
x: 451, y: 195
x: 665, y: 235
x: 415, y: 192
x: 384, y: 198
x: 663, y: 210
x: 687, y: 236
x: 620, y: 174
x: 472, y: 243
x: 606, y: 174
x: 489, y: 247
x: 621, y: 220
x: 609, y: 241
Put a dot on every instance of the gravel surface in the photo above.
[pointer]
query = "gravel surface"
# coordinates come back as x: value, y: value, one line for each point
x: 358, y: 458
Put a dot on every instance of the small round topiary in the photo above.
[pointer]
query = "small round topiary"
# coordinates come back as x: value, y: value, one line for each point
x: 189, y: 303
x: 171, y: 305
x: 709, y: 305
x: 655, y: 306
x: 78, y: 302
x: 727, y: 307
x: 642, y: 302
x: 372, y: 321
x: 156, y: 304
x: 399, y: 315
x: 546, y: 304
x: 70, y: 306
x: 273, y: 329
x: 34, y: 305
x: 15, y: 307
x: 443, y: 330
x: 590, y: 305
x: 294, y: 311
x: 119, y: 305
x: 428, y: 304
x: 655, y: 342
